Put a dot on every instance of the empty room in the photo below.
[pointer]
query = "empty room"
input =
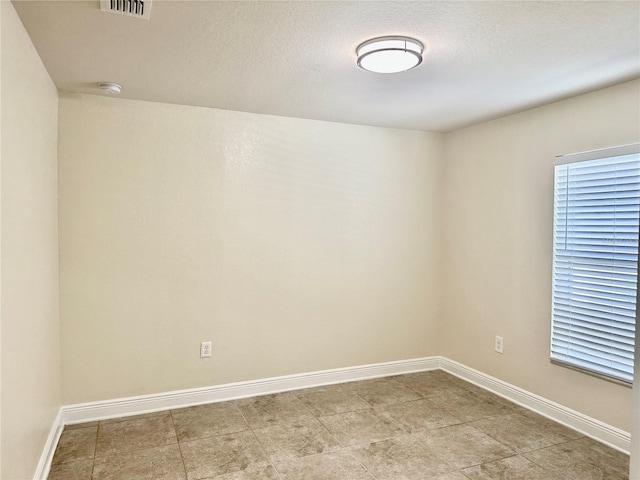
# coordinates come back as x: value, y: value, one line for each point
x: 319, y: 240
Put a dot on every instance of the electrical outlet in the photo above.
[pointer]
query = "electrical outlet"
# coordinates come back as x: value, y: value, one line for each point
x: 205, y: 349
x: 499, y: 344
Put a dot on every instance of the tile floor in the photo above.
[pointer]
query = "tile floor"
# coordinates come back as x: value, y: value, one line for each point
x: 427, y: 425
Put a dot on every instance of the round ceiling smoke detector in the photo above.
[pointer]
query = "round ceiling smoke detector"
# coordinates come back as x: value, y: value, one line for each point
x: 390, y: 54
x: 110, y: 88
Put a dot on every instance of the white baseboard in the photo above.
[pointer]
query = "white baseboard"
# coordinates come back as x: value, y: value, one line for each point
x: 122, y: 407
x: 44, y: 465
x: 600, y: 431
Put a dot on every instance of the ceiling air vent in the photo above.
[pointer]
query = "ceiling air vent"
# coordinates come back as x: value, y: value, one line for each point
x: 134, y: 8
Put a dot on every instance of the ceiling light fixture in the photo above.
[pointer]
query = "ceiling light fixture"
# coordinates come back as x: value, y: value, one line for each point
x: 390, y: 54
x: 110, y: 87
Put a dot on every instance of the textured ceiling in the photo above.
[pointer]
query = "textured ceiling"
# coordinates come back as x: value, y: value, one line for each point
x: 483, y: 59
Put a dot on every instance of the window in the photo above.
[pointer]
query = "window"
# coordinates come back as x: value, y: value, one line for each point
x: 595, y: 261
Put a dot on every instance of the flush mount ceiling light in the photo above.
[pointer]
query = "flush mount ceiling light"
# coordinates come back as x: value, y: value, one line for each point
x: 389, y: 54
x: 110, y: 87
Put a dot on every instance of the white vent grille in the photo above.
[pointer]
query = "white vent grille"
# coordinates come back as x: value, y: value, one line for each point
x: 134, y: 8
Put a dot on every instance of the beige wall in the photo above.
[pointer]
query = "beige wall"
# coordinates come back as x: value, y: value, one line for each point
x: 498, y: 242
x: 293, y: 245
x: 29, y: 258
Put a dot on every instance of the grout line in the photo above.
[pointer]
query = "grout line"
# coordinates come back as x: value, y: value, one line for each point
x: 303, y: 405
x: 134, y: 450
x: 235, y: 404
x: 276, y: 469
x: 184, y: 466
x: 360, y: 463
x: 344, y: 447
x: 213, y: 435
x: 363, y: 399
x: 536, y: 463
x: 132, y: 418
x: 118, y: 453
x: 489, y: 434
x: 265, y: 451
x: 95, y: 449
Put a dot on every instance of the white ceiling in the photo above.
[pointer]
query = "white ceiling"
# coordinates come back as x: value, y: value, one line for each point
x: 483, y: 59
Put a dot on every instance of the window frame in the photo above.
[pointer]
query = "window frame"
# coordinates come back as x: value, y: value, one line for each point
x: 599, y: 154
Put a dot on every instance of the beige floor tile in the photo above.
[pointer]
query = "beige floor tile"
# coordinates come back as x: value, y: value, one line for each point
x: 255, y: 471
x: 552, y: 426
x: 463, y: 446
x: 497, y: 400
x: 431, y: 383
x: 81, y: 425
x: 291, y: 440
x: 418, y: 415
x: 466, y: 385
x: 208, y: 420
x: 469, y: 406
x: 383, y: 391
x: 338, y: 465
x: 451, y: 476
x: 224, y: 454
x: 360, y: 426
x: 266, y: 410
x: 575, y: 461
x: 437, y: 382
x: 432, y: 377
x: 125, y: 436
x: 158, y: 463
x: 524, y: 432
x: 133, y: 417
x: 76, y: 444
x: 80, y: 470
x: 603, y: 455
x: 330, y: 400
x: 403, y: 457
x: 512, y: 468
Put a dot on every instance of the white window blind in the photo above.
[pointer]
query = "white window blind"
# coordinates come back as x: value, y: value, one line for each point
x: 595, y: 260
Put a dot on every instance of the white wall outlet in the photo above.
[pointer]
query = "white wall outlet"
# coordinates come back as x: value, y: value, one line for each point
x: 205, y: 349
x: 499, y: 344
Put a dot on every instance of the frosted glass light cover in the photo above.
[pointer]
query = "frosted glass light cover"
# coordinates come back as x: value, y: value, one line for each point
x: 389, y: 54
